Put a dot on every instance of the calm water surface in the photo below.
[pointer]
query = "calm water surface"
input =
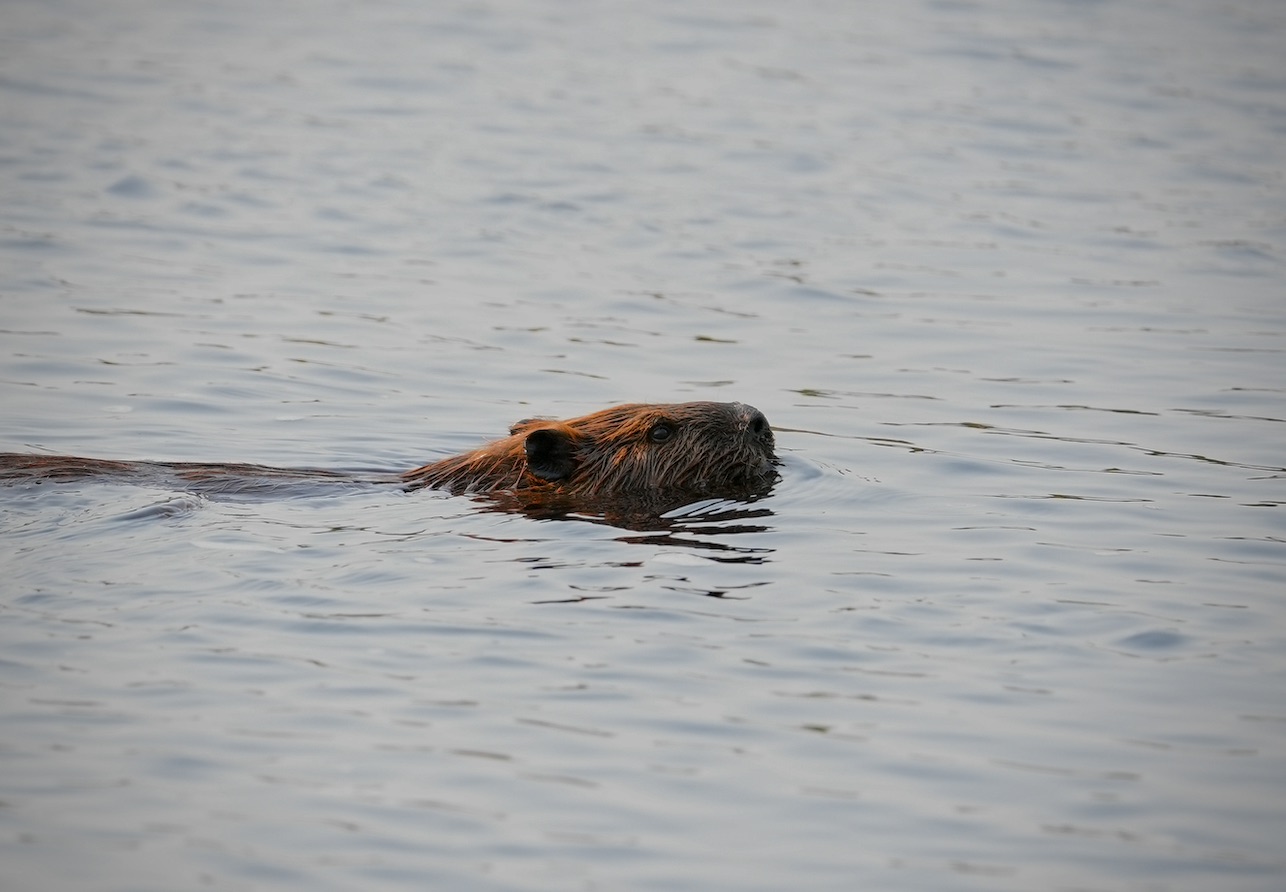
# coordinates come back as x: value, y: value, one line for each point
x: 1007, y: 277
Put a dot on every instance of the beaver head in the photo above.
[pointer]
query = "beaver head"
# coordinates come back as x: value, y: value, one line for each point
x: 651, y: 455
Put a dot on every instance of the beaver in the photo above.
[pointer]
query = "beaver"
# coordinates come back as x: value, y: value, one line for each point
x: 636, y: 457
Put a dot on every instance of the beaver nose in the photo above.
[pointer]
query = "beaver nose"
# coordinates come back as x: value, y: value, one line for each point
x: 753, y: 420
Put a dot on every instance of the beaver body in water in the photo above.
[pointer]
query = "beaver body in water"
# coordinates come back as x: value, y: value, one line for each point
x: 644, y: 457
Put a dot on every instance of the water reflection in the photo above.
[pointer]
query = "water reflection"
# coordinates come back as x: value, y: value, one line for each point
x: 710, y: 517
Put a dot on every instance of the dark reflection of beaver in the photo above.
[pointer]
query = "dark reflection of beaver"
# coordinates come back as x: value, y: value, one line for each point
x: 632, y: 459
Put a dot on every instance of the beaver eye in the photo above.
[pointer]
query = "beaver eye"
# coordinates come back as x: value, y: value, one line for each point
x: 660, y: 432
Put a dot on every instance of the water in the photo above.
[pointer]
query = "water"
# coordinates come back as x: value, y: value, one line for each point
x: 1006, y: 277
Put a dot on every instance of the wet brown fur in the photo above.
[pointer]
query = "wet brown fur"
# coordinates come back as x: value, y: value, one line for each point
x: 714, y: 449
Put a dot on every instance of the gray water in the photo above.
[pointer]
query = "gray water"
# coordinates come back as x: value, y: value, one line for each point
x: 1006, y: 277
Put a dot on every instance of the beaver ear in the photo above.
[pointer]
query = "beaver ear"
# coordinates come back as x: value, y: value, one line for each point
x: 550, y: 454
x: 519, y: 426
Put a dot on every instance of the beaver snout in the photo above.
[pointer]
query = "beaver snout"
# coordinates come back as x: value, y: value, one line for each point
x: 754, y: 422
